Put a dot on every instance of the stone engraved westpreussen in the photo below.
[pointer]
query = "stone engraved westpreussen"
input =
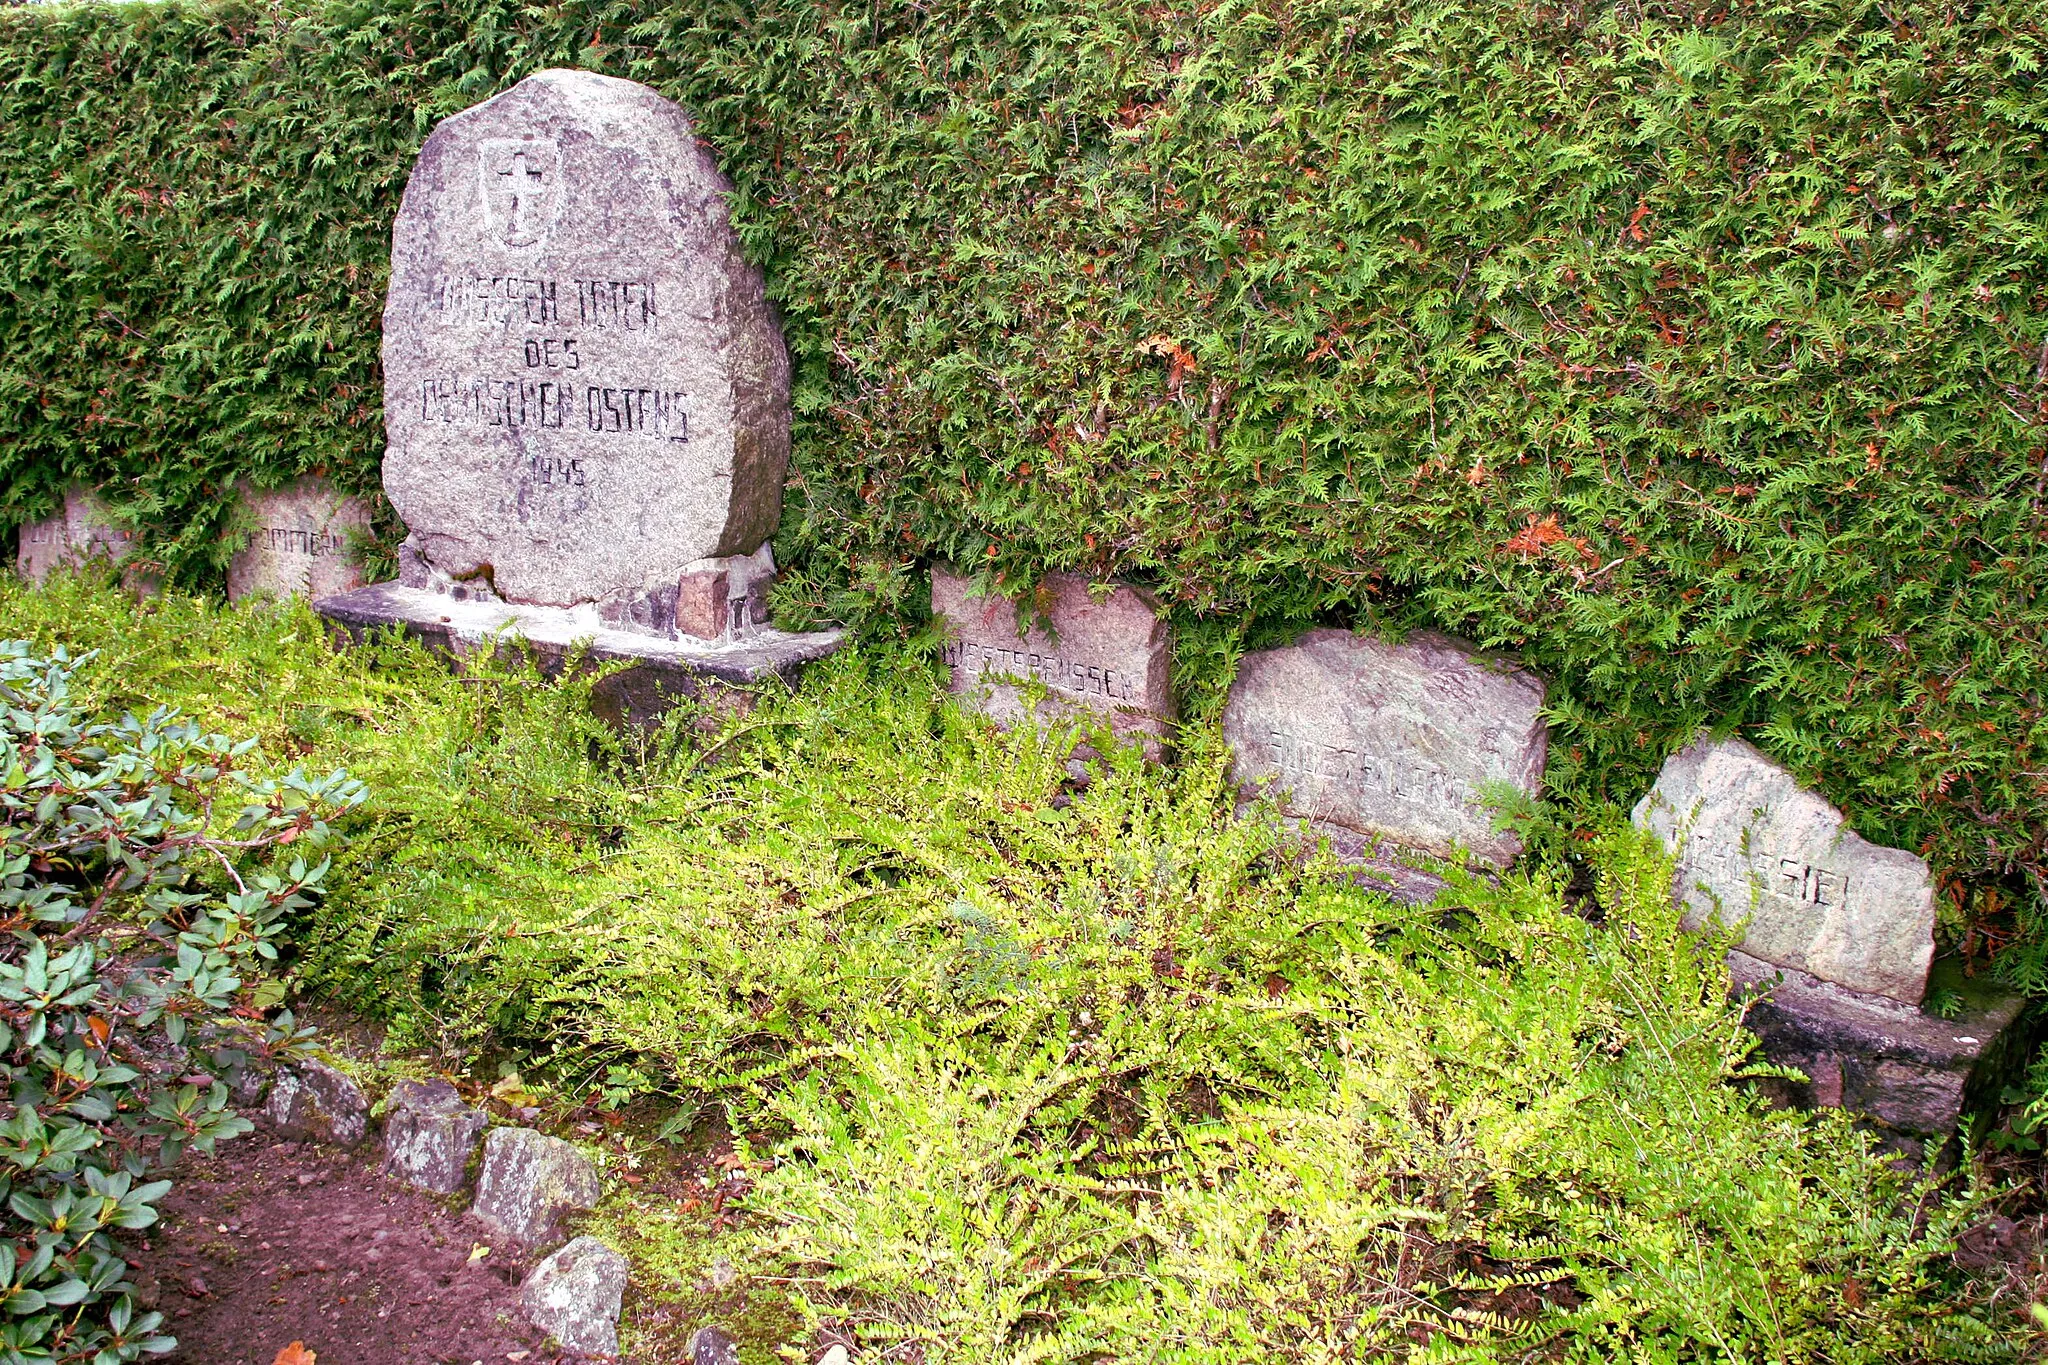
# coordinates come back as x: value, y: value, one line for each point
x: 585, y: 389
x: 1395, y: 740
x: 1755, y: 847
x: 1106, y: 654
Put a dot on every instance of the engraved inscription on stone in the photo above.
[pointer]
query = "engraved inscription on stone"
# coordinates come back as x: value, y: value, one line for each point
x: 1753, y: 844
x: 1074, y: 677
x: 585, y: 389
x: 1396, y: 740
x: 82, y: 532
x: 1109, y: 657
x: 305, y: 543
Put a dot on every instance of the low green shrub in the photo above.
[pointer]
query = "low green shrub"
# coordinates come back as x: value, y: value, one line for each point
x: 144, y: 881
x: 1021, y: 1073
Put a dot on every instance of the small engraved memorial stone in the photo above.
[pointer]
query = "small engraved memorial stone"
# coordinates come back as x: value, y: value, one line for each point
x: 586, y: 392
x: 1109, y: 657
x: 1393, y: 740
x: 305, y: 543
x: 79, y: 534
x: 1753, y: 844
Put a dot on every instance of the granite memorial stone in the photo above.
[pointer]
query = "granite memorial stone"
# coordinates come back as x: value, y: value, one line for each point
x: 1753, y: 844
x: 80, y: 533
x: 1108, y: 658
x: 586, y: 393
x: 1393, y: 740
x: 586, y: 402
x: 305, y: 543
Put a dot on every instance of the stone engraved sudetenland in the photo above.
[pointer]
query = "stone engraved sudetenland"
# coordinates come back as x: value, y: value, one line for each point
x: 586, y: 391
x: 80, y: 533
x: 1394, y: 740
x: 1752, y: 844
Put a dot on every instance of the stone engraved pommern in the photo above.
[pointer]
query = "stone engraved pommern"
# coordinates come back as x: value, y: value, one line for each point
x: 1396, y: 740
x: 585, y: 388
x: 1752, y: 844
x: 305, y: 542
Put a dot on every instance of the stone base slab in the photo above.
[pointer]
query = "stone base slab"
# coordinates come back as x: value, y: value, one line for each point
x: 1381, y: 864
x: 1912, y: 1073
x: 664, y: 671
x: 1409, y: 875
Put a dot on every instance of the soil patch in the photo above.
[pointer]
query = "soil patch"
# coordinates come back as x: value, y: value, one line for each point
x: 269, y: 1242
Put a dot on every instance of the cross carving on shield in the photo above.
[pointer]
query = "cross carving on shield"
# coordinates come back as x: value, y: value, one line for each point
x: 522, y: 184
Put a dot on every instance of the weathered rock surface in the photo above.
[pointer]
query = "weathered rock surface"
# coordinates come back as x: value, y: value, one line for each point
x: 1819, y: 898
x: 722, y: 599
x: 305, y: 543
x: 313, y: 1100
x: 82, y: 532
x: 574, y: 1296
x: 1393, y: 740
x: 709, y: 1346
x: 529, y: 1181
x: 429, y: 1134
x: 586, y: 391
x: 1101, y: 660
x: 1910, y: 1072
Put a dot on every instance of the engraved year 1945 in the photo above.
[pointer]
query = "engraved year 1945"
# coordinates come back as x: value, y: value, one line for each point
x: 553, y: 469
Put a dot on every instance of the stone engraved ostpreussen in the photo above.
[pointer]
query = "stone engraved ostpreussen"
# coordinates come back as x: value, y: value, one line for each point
x: 1394, y: 740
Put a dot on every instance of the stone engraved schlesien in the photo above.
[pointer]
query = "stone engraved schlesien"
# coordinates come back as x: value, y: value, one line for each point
x: 586, y: 393
x: 1394, y: 740
x: 1753, y: 845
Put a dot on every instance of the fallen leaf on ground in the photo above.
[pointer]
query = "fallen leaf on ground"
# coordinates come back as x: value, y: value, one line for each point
x: 294, y: 1354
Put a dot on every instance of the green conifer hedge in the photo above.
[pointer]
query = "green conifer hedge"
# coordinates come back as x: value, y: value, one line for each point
x: 1696, y: 351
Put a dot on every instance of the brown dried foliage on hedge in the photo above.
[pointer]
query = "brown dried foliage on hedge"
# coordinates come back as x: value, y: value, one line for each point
x: 1696, y: 351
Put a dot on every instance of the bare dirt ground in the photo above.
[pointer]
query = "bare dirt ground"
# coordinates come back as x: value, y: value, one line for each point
x: 269, y: 1242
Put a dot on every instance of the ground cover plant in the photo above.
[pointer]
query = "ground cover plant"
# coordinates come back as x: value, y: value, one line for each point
x: 1693, y: 349
x: 1015, y: 1072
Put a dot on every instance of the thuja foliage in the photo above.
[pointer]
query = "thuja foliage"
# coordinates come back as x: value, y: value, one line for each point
x: 1695, y: 350
x: 140, y: 905
x: 1025, y: 1073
